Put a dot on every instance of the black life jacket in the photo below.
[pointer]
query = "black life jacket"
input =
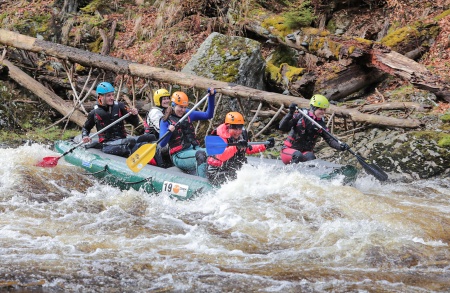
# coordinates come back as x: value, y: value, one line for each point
x: 303, y: 136
x: 103, y: 118
x: 183, y: 136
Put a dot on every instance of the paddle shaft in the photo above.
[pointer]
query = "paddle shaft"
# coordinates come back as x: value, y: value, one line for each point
x: 249, y: 143
x: 183, y: 118
x: 147, y: 151
x: 97, y: 133
x: 370, y: 168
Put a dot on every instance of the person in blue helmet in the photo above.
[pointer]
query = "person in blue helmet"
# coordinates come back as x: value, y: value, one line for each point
x: 114, y: 140
x: 184, y: 147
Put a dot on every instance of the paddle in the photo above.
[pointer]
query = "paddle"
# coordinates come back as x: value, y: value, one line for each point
x: 53, y: 161
x: 215, y: 145
x: 137, y: 160
x: 372, y: 169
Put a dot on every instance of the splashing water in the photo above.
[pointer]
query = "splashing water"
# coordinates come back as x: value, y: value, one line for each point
x: 265, y: 231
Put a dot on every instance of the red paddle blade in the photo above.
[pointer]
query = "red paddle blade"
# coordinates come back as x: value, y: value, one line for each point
x: 48, y: 162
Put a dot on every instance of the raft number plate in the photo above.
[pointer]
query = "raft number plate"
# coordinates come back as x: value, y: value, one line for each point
x: 174, y: 188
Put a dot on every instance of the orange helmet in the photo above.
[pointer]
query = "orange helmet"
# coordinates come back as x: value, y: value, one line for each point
x: 234, y: 118
x: 180, y: 98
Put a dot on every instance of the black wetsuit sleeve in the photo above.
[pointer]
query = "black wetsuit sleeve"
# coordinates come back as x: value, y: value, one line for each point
x: 132, y: 119
x: 289, y: 121
x: 331, y: 141
x: 88, y: 125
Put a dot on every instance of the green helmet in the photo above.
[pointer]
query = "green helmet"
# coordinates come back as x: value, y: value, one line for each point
x: 319, y: 101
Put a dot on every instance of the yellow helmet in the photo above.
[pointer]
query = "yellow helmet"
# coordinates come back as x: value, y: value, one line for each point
x: 180, y: 98
x: 319, y: 101
x: 234, y: 118
x: 159, y: 94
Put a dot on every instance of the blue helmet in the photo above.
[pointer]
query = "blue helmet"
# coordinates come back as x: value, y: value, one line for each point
x: 104, y: 88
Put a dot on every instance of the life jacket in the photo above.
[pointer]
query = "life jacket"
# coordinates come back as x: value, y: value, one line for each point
x: 103, y: 118
x: 149, y: 127
x: 183, y: 136
x: 303, y: 136
x: 236, y: 161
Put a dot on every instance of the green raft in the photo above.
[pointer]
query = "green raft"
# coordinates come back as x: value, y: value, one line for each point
x: 172, y: 181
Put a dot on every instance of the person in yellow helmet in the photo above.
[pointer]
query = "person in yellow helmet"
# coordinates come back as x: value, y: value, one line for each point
x: 303, y: 134
x: 223, y: 167
x: 161, y: 100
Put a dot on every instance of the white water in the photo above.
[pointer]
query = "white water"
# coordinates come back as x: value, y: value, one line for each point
x: 62, y: 231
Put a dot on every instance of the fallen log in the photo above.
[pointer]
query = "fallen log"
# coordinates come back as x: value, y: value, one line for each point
x: 395, y: 106
x: 120, y: 66
x: 44, y: 93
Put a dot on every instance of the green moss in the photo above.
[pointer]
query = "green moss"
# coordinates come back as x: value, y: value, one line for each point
x: 277, y: 25
x: 96, y: 46
x: 299, y: 15
x: 363, y: 41
x: 442, y: 15
x: 444, y: 142
x: 398, y: 36
x: 445, y: 118
x: 283, y: 54
x: 401, y: 92
x: 331, y: 26
x: 293, y: 73
x: 273, y: 71
x: 429, y: 135
x: 94, y: 5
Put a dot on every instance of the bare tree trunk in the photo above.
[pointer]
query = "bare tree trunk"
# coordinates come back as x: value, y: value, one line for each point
x: 233, y: 90
x: 44, y: 93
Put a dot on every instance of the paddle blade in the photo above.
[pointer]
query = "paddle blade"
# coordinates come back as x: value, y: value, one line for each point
x: 48, y: 162
x: 372, y: 169
x: 215, y: 145
x: 137, y: 160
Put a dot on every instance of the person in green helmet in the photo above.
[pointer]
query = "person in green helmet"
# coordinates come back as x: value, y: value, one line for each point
x: 303, y: 134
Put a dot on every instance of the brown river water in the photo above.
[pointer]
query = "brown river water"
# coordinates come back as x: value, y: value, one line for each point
x: 63, y: 231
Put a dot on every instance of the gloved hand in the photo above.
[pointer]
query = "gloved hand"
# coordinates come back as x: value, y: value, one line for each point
x: 292, y: 108
x: 344, y: 146
x: 271, y: 143
x: 212, y: 91
x: 242, y: 144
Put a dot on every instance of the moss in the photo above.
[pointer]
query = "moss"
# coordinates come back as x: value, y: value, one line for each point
x: 293, y: 73
x: 429, y: 135
x: 442, y: 15
x: 399, y: 36
x: 94, y: 5
x: 444, y: 142
x: 401, y: 92
x: 363, y: 41
x: 284, y: 54
x: 273, y: 71
x: 96, y: 46
x: 299, y: 15
x: 331, y: 26
x: 277, y: 25
x: 445, y: 118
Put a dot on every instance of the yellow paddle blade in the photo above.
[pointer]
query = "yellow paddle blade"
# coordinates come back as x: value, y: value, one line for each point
x: 137, y: 160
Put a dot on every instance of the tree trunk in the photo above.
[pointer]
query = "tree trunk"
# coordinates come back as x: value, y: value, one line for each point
x: 120, y: 66
x: 44, y: 93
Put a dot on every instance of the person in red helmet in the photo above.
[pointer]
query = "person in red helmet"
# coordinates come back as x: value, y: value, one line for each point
x: 224, y: 166
x: 303, y: 134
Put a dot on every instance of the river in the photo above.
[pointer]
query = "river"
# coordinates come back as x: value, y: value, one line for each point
x: 63, y: 231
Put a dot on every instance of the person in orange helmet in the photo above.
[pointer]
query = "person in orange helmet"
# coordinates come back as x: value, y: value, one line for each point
x: 224, y: 166
x: 184, y: 147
